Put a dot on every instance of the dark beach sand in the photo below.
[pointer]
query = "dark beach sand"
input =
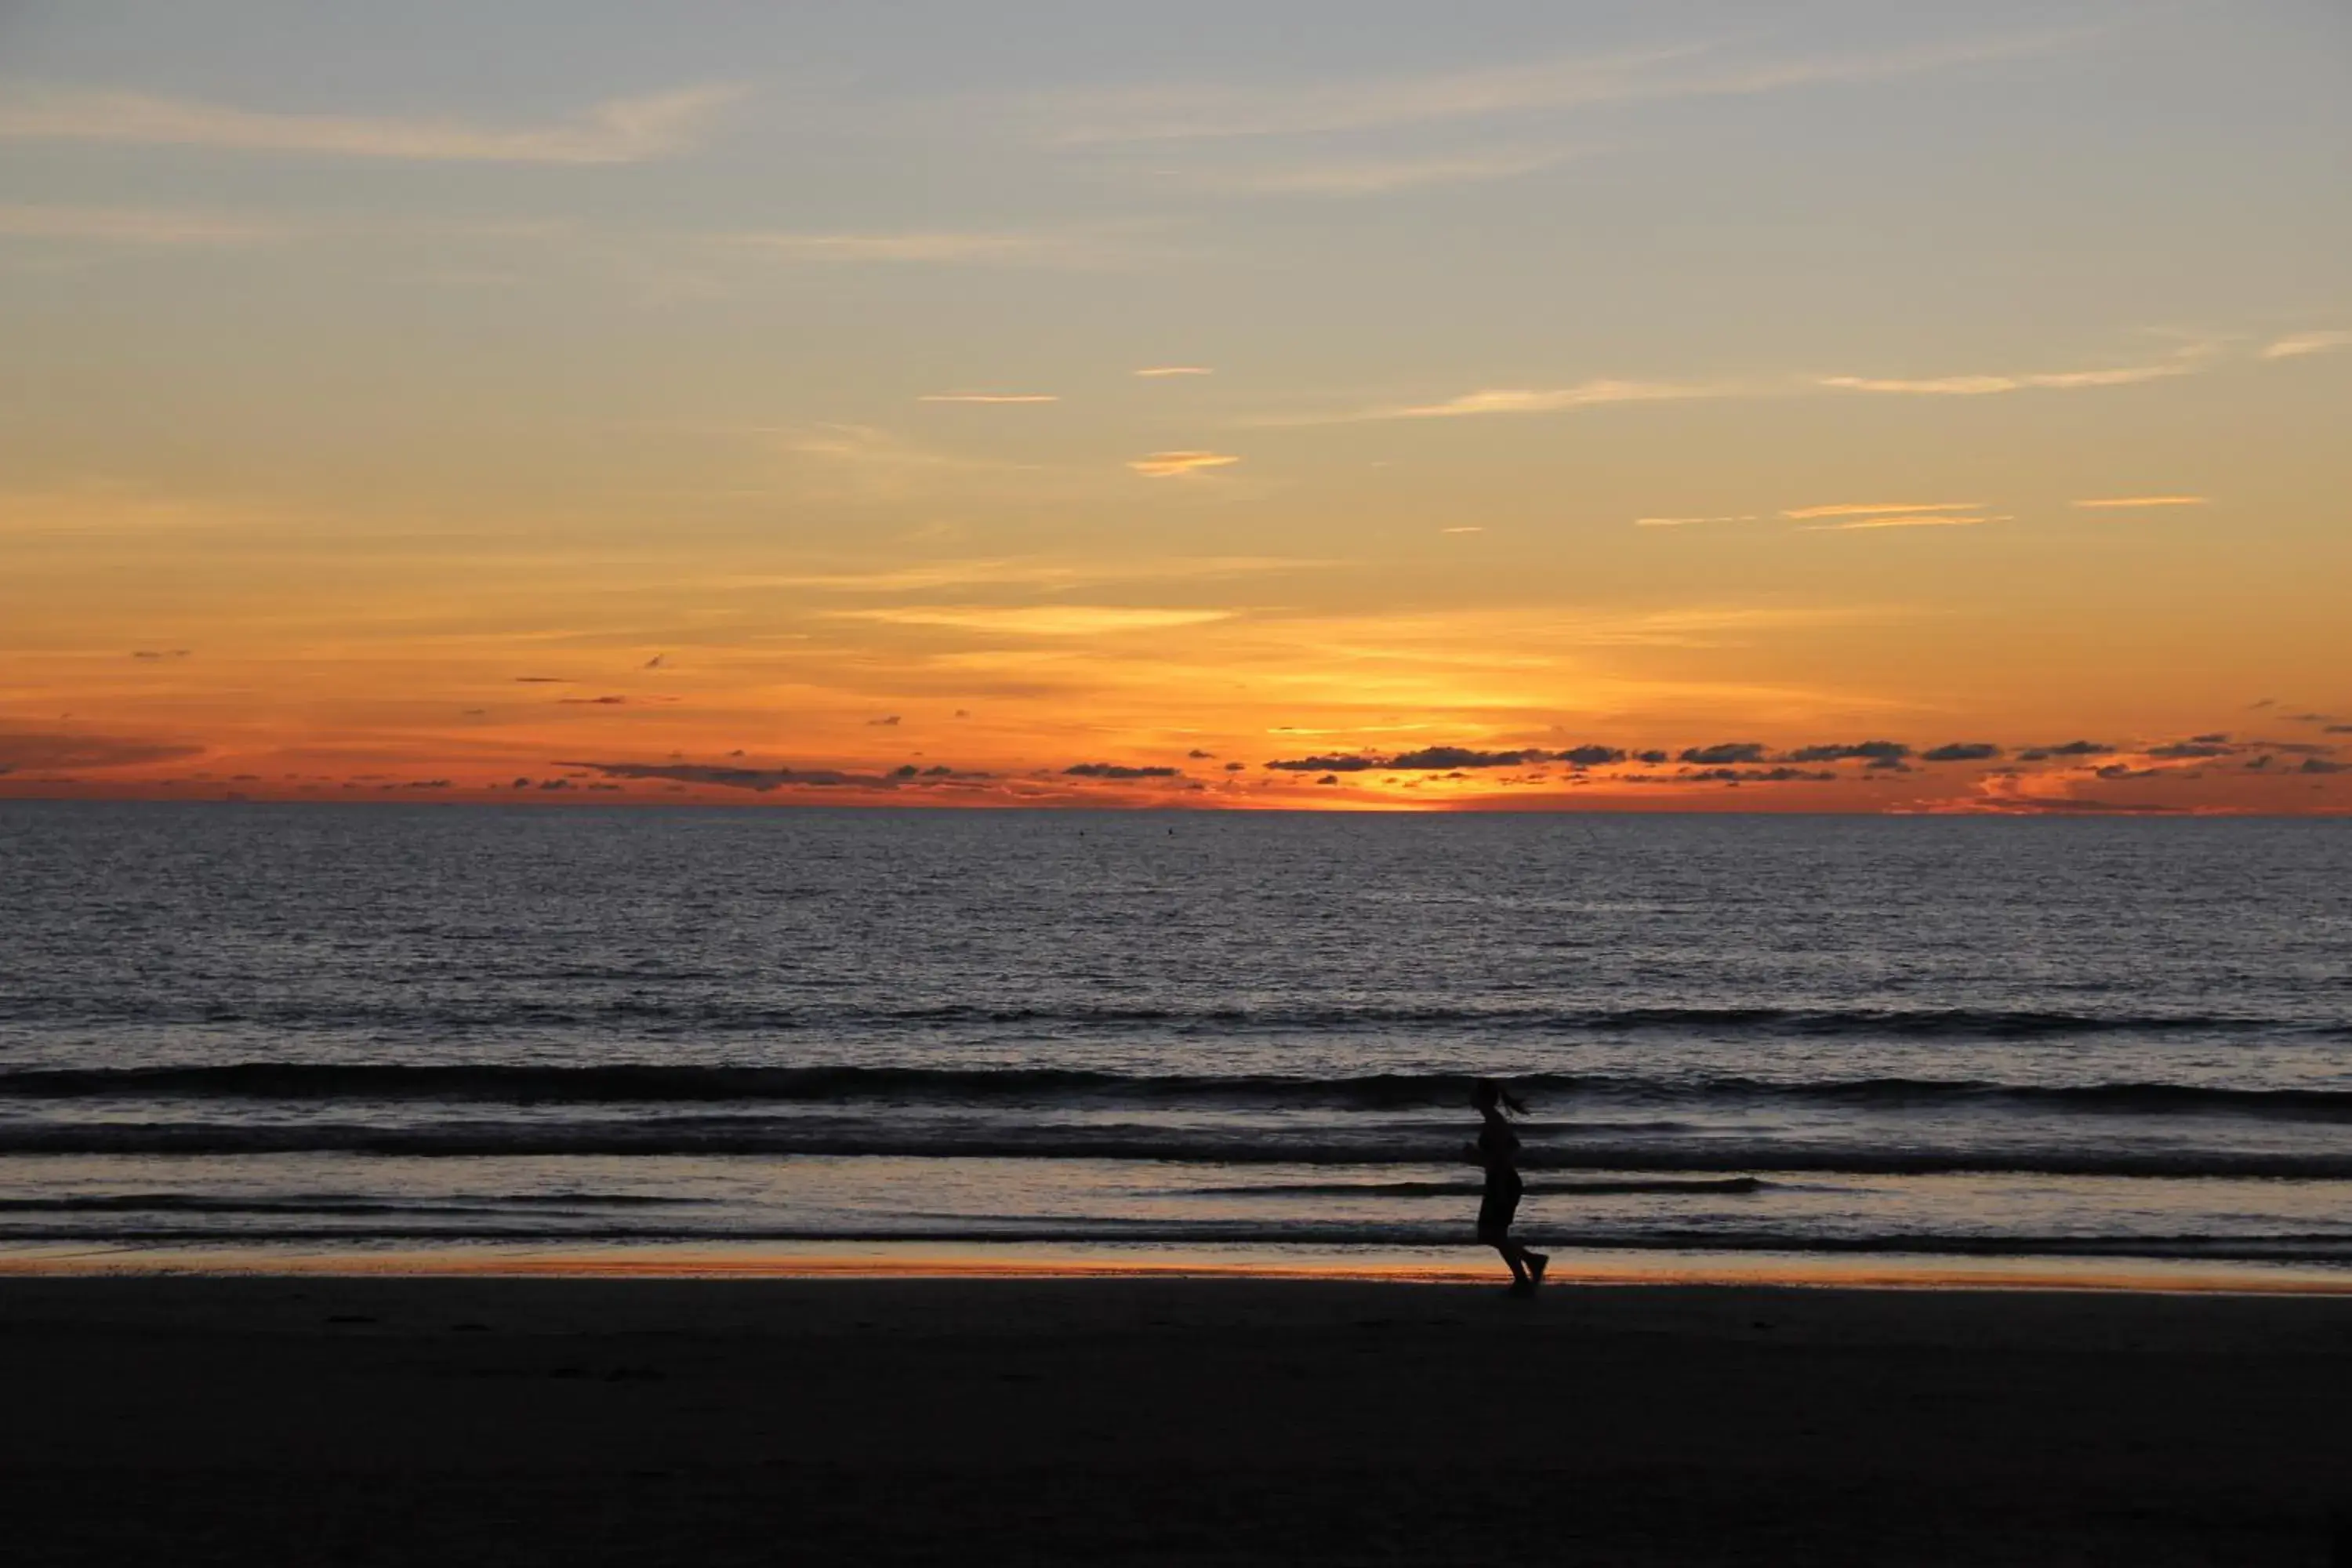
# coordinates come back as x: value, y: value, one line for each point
x: 319, y: 1420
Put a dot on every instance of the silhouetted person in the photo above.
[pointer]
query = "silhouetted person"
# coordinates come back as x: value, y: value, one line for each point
x: 1497, y: 1150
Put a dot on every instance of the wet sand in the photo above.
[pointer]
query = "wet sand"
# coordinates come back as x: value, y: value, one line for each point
x: 316, y: 1420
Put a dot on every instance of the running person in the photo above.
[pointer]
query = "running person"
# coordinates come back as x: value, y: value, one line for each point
x: 1497, y: 1151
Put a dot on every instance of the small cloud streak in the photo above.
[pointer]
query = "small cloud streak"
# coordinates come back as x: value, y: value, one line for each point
x: 1876, y: 509
x: 1695, y: 521
x: 1163, y: 370
x: 1216, y: 112
x: 1878, y: 752
x: 1724, y: 753
x: 20, y: 749
x: 761, y: 780
x: 1175, y: 464
x: 618, y: 131
x: 2106, y: 503
x: 1039, y: 620
x: 1988, y: 386
x: 1543, y: 399
x: 2298, y: 344
x: 1334, y: 763
x: 1118, y: 771
x: 989, y: 397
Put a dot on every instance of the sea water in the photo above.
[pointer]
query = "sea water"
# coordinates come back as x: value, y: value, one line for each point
x: 371, y: 1027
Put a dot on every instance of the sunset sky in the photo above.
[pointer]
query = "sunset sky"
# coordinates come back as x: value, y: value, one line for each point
x: 1862, y: 406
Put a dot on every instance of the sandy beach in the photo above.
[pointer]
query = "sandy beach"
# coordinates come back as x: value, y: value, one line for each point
x: 1162, y: 1420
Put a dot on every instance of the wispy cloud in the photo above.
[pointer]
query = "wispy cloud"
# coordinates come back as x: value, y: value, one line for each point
x: 1372, y: 177
x: 2118, y: 502
x: 1869, y: 509
x: 863, y: 447
x: 2301, y: 343
x: 1988, y: 385
x: 1160, y: 369
x: 134, y: 225
x: 617, y: 130
x: 763, y: 779
x: 1849, y: 516
x: 989, y: 397
x: 1040, y: 620
x: 36, y: 749
x: 1209, y: 110
x: 1916, y: 519
x: 1519, y: 400
x: 1174, y: 465
x: 862, y: 463
x: 2188, y: 357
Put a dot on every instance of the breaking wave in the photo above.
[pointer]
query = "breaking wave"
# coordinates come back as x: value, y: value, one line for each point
x: 648, y: 1083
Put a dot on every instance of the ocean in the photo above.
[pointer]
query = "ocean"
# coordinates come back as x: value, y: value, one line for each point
x: 360, y: 1028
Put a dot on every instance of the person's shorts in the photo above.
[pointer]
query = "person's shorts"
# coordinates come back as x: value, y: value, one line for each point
x: 1495, y: 1211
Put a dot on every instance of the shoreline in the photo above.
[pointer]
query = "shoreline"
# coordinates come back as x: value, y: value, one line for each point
x: 1597, y: 1268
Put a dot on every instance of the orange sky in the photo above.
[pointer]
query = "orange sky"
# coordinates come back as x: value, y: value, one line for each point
x: 1500, y: 410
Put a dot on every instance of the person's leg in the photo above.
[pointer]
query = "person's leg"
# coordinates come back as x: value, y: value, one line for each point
x: 1494, y: 1230
x: 1527, y: 1265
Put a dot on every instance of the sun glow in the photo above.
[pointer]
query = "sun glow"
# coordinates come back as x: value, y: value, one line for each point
x: 680, y: 438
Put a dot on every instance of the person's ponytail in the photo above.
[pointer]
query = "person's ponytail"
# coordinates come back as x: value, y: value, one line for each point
x: 1489, y: 1093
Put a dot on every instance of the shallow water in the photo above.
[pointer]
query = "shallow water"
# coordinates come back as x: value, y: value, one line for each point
x: 337, y: 1025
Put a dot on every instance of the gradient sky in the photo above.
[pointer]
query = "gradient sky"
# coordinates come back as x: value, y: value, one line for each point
x: 1489, y: 404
